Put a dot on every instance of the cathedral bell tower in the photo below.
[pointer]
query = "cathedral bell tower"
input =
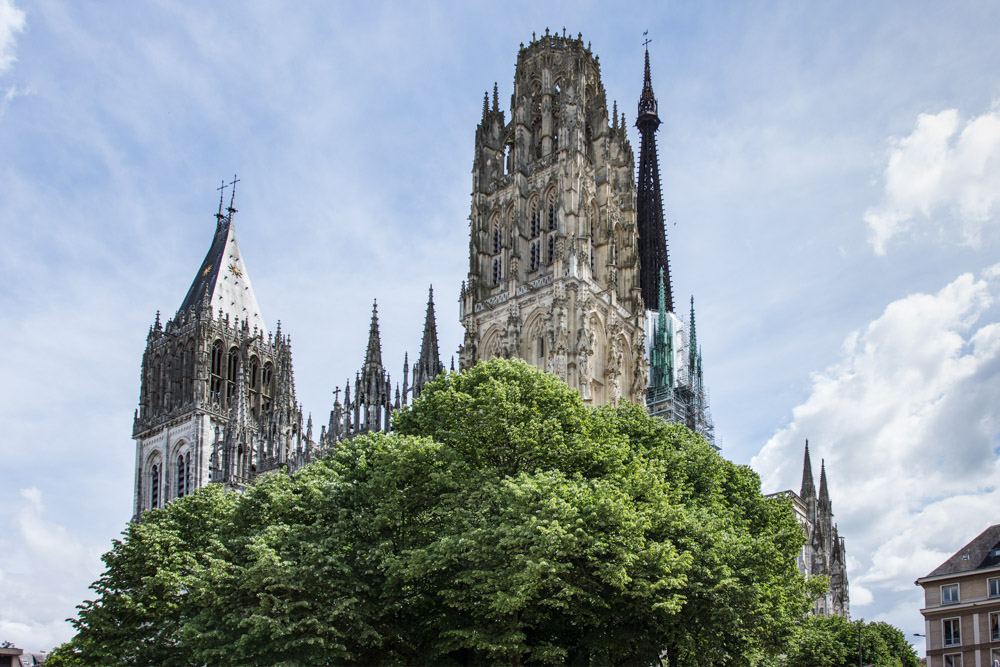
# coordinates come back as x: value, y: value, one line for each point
x: 553, y: 245
x: 217, y: 398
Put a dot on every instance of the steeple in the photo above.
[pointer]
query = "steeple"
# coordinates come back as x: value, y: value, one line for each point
x: 428, y: 364
x: 222, y: 280
x: 692, y: 346
x: 808, y: 488
x: 824, y: 492
x: 649, y: 201
x: 373, y: 355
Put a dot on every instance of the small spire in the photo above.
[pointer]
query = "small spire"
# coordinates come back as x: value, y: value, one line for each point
x: 496, y: 98
x: 824, y: 493
x: 486, y: 104
x: 156, y: 323
x: 453, y: 363
x: 692, y: 342
x: 614, y: 115
x: 222, y: 192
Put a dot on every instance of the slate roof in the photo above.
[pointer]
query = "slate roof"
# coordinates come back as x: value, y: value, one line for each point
x: 980, y: 553
x: 223, y: 276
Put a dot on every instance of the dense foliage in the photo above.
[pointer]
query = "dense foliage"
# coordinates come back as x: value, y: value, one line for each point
x: 502, y: 522
x: 832, y: 641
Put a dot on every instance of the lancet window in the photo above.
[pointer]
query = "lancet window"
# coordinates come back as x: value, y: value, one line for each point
x: 154, y: 486
x: 215, y: 383
x: 232, y: 366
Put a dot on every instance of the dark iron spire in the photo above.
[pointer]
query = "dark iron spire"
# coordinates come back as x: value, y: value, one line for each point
x: 649, y: 202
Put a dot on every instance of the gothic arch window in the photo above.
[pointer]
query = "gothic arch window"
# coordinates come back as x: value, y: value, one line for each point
x: 254, y: 385
x: 552, y: 249
x: 215, y: 383
x: 183, y: 473
x: 497, y: 238
x: 497, y: 271
x: 232, y: 367
x: 154, y: 486
x: 536, y: 218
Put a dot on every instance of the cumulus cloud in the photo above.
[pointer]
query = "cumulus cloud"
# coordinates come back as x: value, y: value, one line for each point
x: 42, y: 567
x: 944, y: 173
x: 11, y: 23
x: 907, y: 424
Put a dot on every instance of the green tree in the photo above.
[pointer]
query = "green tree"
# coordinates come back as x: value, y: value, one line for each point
x: 834, y: 641
x: 503, y: 522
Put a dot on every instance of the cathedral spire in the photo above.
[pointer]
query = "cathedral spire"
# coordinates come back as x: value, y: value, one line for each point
x: 662, y: 351
x: 373, y: 355
x: 428, y: 364
x: 649, y: 201
x: 808, y: 488
x: 824, y: 492
x: 222, y: 280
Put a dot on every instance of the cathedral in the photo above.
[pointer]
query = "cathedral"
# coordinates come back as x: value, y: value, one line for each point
x: 824, y: 553
x: 568, y: 270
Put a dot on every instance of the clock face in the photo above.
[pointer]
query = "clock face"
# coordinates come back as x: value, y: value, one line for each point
x: 235, y: 270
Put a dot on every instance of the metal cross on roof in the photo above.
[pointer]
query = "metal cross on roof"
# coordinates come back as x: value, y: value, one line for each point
x: 645, y: 43
x: 232, y: 197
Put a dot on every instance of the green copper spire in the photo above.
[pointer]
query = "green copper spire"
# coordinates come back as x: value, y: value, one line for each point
x: 661, y: 354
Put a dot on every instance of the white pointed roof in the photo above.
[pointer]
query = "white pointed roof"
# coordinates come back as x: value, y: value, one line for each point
x: 224, y: 277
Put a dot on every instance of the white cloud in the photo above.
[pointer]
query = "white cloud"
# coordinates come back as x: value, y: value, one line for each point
x: 907, y: 424
x: 11, y: 23
x: 942, y: 173
x: 42, y: 567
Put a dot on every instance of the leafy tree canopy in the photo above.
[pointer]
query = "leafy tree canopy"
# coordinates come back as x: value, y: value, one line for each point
x: 503, y: 521
x: 833, y: 641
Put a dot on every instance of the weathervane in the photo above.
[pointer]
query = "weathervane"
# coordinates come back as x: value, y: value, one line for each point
x: 645, y: 43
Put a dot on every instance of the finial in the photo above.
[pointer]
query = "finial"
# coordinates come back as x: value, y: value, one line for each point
x: 614, y: 115
x: 453, y: 363
x: 222, y: 192
x: 533, y: 38
x: 156, y: 324
x: 564, y: 32
x: 496, y: 98
x: 546, y: 31
x: 232, y: 197
x: 486, y: 104
x: 646, y: 40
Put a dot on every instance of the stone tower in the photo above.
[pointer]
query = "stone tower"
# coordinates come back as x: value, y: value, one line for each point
x: 217, y: 398
x: 554, y: 271
x: 824, y: 552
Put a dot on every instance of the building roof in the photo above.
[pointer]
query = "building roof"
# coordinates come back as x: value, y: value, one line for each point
x: 982, y: 552
x: 224, y: 279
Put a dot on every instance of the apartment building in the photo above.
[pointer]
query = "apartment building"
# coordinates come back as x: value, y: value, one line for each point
x: 962, y: 605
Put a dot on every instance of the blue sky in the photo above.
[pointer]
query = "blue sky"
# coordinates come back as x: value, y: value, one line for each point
x: 832, y: 184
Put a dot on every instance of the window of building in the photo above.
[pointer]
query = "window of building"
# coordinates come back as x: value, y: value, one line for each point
x: 952, y: 631
x: 995, y: 626
x: 215, y: 384
x: 536, y: 220
x: 267, y: 388
x: 953, y: 660
x: 181, y: 477
x: 231, y: 367
x: 552, y: 249
x: 154, y: 486
x: 995, y: 657
x: 497, y: 271
x: 497, y: 239
x: 949, y: 594
x: 254, y: 385
x: 534, y: 254
x: 552, y: 214
x: 993, y: 586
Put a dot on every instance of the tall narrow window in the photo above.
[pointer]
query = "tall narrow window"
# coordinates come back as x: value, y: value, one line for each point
x: 497, y: 271
x: 993, y: 586
x: 231, y: 368
x: 215, y: 384
x: 254, y: 380
x: 995, y: 626
x: 267, y: 388
x: 552, y: 249
x: 181, y: 476
x: 497, y: 239
x: 552, y: 214
x: 536, y: 220
x: 154, y: 486
x: 534, y: 256
x: 952, y: 631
